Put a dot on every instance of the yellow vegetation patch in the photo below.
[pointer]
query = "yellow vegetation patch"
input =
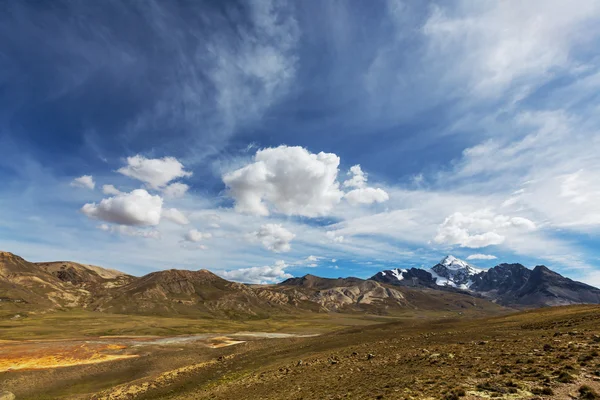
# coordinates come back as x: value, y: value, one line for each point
x: 57, y: 361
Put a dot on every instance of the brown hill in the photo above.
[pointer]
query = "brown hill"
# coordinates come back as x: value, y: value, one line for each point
x: 182, y: 292
x: 23, y: 283
x: 49, y: 285
x: 85, y: 275
x: 316, y: 282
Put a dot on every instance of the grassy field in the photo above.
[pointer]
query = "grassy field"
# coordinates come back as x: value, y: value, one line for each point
x: 74, y: 324
x: 79, y: 323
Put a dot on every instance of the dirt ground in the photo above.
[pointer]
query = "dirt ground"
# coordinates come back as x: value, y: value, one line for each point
x: 545, y: 354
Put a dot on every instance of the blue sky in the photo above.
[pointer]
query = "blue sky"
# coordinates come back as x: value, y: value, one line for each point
x: 265, y: 139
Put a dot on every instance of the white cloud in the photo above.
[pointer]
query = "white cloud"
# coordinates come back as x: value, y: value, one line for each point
x: 479, y: 229
x: 366, y: 196
x: 291, y: 180
x: 157, y: 172
x: 175, y: 190
x: 267, y: 274
x: 130, y: 231
x: 174, y: 215
x: 358, y: 179
x: 481, y: 257
x: 490, y: 47
x: 334, y: 237
x: 136, y: 208
x: 312, y: 258
x: 85, y: 181
x: 110, y: 190
x: 274, y: 237
x: 193, y: 235
x: 361, y: 194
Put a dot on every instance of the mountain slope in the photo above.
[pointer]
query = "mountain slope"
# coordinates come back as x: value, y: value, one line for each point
x: 316, y: 282
x: 181, y: 292
x: 23, y: 283
x: 549, y: 288
x: 85, y: 275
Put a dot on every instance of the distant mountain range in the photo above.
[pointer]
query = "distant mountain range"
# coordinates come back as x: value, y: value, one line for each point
x: 507, y: 284
x: 451, y: 285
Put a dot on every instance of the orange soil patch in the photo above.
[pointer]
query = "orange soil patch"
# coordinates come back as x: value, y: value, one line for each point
x: 42, y: 356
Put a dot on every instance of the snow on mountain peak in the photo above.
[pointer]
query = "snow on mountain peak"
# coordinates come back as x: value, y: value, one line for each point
x: 452, y: 262
x: 452, y: 271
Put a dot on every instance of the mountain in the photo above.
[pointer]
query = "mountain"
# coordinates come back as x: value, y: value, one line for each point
x: 548, y: 287
x: 45, y: 286
x: 501, y: 280
x: 24, y: 284
x: 85, y: 275
x: 449, y: 272
x: 511, y: 285
x: 454, y: 272
x: 316, y: 282
x: 181, y: 292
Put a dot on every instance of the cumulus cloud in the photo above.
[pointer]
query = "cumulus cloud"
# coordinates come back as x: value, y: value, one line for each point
x: 366, y: 196
x: 361, y: 194
x: 136, y: 208
x: 110, y: 190
x: 85, y: 181
x: 156, y: 172
x: 481, y: 257
x: 479, y: 229
x: 174, y: 215
x: 274, y: 237
x: 175, y: 190
x: 130, y: 231
x: 291, y: 180
x: 358, y: 177
x: 311, y: 261
x: 267, y: 274
x: 195, y: 236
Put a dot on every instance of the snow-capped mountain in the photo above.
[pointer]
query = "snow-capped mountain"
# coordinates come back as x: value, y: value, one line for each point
x: 454, y: 272
x: 451, y: 271
x: 507, y: 284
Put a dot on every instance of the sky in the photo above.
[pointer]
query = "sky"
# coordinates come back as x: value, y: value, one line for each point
x: 268, y: 139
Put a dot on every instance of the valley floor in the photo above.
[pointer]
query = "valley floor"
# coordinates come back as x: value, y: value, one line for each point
x: 544, y: 353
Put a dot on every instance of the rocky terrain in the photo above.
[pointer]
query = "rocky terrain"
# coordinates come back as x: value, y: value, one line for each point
x: 550, y: 353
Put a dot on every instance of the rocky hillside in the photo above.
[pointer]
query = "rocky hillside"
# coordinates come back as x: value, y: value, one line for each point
x: 26, y: 285
x: 84, y: 275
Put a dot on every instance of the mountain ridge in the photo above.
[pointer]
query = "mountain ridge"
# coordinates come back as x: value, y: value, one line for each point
x: 60, y: 284
x: 203, y: 294
x: 511, y: 285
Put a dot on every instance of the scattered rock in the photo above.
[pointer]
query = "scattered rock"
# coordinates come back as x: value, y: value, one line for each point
x: 370, y: 356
